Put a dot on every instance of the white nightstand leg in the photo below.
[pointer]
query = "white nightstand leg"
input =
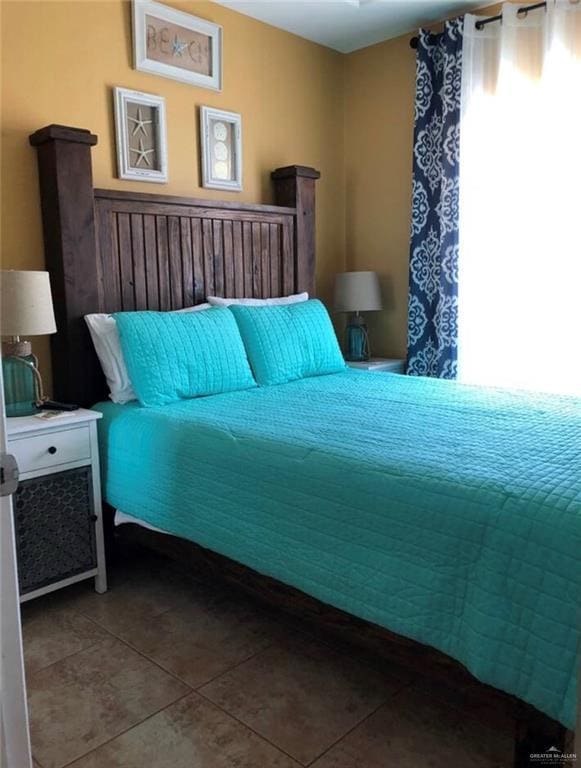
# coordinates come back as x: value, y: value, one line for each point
x: 101, y: 577
x: 100, y: 583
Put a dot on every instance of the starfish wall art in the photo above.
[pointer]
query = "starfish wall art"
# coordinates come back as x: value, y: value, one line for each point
x: 141, y: 138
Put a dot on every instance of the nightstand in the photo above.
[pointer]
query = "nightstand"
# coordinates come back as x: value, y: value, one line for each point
x: 380, y: 364
x: 57, y: 507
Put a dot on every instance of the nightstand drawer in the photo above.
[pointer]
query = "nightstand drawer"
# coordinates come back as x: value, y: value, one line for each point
x: 43, y: 451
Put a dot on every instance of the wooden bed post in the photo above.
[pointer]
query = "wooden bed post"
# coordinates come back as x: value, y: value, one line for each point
x: 66, y: 191
x: 294, y: 186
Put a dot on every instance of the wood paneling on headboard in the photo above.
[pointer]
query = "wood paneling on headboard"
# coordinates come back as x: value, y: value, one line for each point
x: 111, y: 251
x: 161, y: 253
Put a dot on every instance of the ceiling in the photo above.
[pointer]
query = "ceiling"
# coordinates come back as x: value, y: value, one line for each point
x: 347, y: 25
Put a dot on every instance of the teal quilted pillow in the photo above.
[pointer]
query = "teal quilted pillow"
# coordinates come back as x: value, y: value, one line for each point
x: 289, y: 342
x: 172, y: 356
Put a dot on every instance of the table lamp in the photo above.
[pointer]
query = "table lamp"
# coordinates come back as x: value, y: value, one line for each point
x: 26, y: 310
x: 357, y: 292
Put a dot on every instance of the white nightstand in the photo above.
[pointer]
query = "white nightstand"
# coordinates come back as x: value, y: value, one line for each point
x: 57, y: 507
x: 380, y: 364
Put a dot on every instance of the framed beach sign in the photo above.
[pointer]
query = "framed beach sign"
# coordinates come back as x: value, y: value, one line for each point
x: 178, y: 45
x: 221, y: 146
x: 141, y: 136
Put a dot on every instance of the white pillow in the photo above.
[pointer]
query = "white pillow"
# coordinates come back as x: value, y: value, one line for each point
x: 103, y: 330
x: 295, y: 298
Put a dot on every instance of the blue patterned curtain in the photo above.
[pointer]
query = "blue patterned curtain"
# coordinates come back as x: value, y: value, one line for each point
x: 433, y: 296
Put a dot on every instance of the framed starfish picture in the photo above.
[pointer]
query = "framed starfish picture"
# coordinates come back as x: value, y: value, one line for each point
x: 178, y: 45
x: 141, y: 136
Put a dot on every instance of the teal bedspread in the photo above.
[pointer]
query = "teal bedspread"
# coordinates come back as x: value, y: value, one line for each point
x: 446, y: 513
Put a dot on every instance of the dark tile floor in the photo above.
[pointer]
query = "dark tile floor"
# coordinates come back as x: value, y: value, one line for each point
x: 164, y: 671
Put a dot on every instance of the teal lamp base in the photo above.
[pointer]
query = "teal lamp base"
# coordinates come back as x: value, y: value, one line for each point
x: 356, y: 340
x: 20, y: 385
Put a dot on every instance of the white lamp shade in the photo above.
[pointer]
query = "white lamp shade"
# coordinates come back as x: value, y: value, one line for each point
x: 26, y: 304
x: 357, y: 292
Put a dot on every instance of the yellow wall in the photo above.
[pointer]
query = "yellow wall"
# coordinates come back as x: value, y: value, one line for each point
x: 379, y: 108
x: 60, y: 61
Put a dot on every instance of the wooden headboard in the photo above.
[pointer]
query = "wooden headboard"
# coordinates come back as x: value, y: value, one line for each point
x: 109, y: 250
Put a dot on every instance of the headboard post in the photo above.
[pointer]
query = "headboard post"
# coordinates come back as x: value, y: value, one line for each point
x: 66, y: 191
x: 294, y: 186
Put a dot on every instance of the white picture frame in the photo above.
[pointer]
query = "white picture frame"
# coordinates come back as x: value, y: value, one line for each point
x: 141, y: 152
x: 221, y: 149
x: 160, y: 48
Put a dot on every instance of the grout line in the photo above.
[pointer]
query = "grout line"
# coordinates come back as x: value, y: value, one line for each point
x: 147, y: 658
x: 158, y: 664
x: 173, y: 674
x: 29, y: 674
x: 126, y: 730
x: 235, y: 666
x: 390, y: 696
x: 115, y: 637
x: 101, y: 627
x: 335, y: 644
x: 344, y: 736
x: 248, y: 727
x: 110, y: 631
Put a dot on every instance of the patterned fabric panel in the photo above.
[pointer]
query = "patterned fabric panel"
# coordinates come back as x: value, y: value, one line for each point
x: 289, y: 342
x: 173, y: 356
x: 449, y: 514
x: 433, y: 295
x: 55, y: 528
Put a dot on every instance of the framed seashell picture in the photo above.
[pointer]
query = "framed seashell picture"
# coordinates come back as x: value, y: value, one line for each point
x: 221, y: 147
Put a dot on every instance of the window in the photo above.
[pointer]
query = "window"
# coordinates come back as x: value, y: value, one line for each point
x: 520, y: 206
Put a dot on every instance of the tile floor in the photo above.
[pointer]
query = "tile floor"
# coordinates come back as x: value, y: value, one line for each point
x: 165, y: 671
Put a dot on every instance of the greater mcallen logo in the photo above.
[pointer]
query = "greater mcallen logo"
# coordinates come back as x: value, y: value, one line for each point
x: 552, y: 757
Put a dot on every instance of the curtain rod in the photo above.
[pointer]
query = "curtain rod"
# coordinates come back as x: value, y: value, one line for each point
x: 482, y: 23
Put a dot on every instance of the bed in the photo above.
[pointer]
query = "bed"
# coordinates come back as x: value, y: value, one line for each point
x: 449, y: 515
x: 470, y: 547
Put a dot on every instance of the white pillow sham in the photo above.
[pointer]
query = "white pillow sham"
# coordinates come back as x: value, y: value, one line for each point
x: 294, y: 298
x: 105, y: 336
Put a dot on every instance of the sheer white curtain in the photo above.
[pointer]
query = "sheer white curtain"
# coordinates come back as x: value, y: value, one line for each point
x: 519, y: 318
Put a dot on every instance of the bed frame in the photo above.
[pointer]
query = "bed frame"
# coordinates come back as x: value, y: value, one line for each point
x: 111, y: 250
